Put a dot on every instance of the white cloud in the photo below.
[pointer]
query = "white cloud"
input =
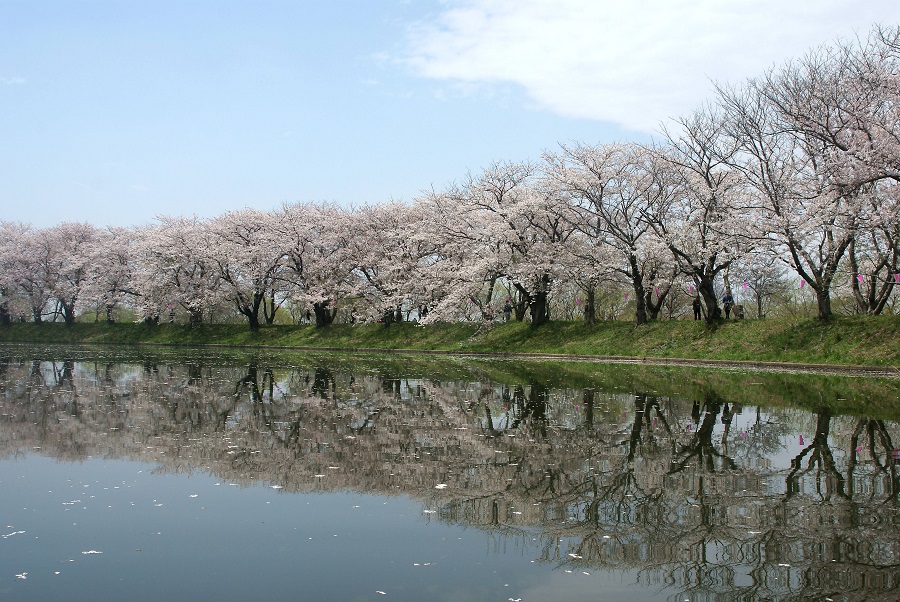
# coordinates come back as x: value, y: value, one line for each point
x: 12, y: 81
x: 633, y: 63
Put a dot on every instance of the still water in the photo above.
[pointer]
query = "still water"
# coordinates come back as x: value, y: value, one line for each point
x: 131, y: 474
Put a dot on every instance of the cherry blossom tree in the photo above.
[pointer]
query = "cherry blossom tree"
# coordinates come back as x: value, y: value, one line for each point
x: 30, y: 258
x: 813, y: 137
x: 63, y: 263
x: 385, y: 251
x: 845, y: 96
x: 874, y: 253
x: 110, y: 269
x: 706, y: 225
x: 316, y: 238
x: 459, y: 275
x: 762, y: 277
x: 248, y: 259
x: 13, y: 237
x: 173, y: 270
x: 589, y: 267
x: 614, y: 189
x: 510, y: 229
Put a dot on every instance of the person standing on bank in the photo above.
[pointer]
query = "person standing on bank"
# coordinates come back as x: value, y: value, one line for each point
x: 698, y: 308
x: 727, y: 303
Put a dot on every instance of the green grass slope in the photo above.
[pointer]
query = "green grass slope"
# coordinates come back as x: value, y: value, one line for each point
x: 873, y: 341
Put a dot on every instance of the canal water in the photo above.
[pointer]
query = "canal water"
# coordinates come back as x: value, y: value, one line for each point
x: 150, y: 474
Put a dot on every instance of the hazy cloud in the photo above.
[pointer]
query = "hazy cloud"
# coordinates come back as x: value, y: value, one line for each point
x: 12, y: 81
x: 632, y: 63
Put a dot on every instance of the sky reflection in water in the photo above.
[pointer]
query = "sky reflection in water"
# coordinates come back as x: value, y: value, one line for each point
x: 166, y: 477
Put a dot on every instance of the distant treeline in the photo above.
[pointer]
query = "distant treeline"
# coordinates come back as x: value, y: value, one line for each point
x: 782, y: 191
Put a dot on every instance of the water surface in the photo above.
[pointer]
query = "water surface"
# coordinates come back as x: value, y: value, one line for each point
x: 136, y: 474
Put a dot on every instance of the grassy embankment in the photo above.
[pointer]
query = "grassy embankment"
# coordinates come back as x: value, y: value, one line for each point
x: 873, y: 341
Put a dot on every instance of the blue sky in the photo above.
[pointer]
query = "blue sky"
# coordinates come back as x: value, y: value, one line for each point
x: 114, y: 112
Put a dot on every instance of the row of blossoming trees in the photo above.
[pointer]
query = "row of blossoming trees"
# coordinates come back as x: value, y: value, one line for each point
x: 797, y: 168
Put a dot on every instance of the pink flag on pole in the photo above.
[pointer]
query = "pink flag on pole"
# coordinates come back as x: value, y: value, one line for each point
x: 745, y: 286
x: 897, y: 278
x: 626, y: 296
x: 578, y: 301
x: 802, y: 283
x: 656, y: 289
x: 859, y: 277
x: 692, y: 288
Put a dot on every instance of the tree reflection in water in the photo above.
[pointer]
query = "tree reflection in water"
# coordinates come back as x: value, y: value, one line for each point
x: 705, y: 497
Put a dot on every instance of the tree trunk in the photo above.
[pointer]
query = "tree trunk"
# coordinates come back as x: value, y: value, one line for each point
x: 68, y: 312
x: 269, y: 309
x: 590, y: 307
x: 640, y: 304
x: 539, y: 309
x: 637, y: 283
x: 324, y: 314
x: 5, y: 318
x: 653, y: 309
x: 520, y: 306
x: 870, y: 297
x: 713, y: 311
x: 251, y: 310
x: 109, y: 314
x: 486, y: 313
x: 823, y: 300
